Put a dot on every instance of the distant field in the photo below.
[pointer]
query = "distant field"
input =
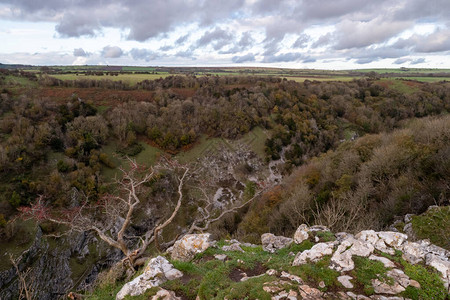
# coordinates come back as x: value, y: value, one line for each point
x: 131, y: 79
x: 405, y: 70
x: 425, y: 79
x: 336, y: 78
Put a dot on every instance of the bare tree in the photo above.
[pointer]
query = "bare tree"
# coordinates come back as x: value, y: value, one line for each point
x: 25, y: 280
x: 111, y: 216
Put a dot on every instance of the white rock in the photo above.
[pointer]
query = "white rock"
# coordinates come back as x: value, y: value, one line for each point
x: 345, y: 281
x: 189, y: 245
x: 342, y: 257
x: 442, y: 265
x: 221, y: 257
x: 307, y: 292
x: 158, y: 271
x: 314, y: 254
x: 393, y: 239
x: 272, y: 243
x: 165, y: 295
x: 272, y: 272
x: 413, y: 252
x: 369, y: 236
x: 357, y: 297
x: 401, y: 281
x: 386, y: 262
x: 291, y: 277
x: 233, y: 247
x: 301, y: 234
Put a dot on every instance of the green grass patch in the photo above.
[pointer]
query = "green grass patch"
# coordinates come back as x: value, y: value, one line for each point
x: 255, y: 140
x: 434, y: 225
x: 131, y: 79
x: 431, y: 286
x: 314, y: 273
x: 366, y: 270
x: 400, y: 86
x: 201, y: 148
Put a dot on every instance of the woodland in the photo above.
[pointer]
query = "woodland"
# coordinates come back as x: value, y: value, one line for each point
x: 349, y: 155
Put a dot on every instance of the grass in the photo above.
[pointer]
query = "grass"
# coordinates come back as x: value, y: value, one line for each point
x: 430, y: 283
x: 202, y: 147
x: 131, y: 79
x: 255, y: 140
x: 434, y: 225
x: 400, y: 86
x: 366, y: 270
x: 425, y: 79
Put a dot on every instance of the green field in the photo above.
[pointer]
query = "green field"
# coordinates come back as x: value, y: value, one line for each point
x: 131, y: 79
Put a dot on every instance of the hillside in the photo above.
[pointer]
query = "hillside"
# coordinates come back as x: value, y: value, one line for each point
x: 314, y: 264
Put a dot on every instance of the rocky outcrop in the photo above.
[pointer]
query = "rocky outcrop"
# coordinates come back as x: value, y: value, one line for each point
x: 314, y: 254
x: 189, y: 245
x: 158, y: 271
x: 272, y: 243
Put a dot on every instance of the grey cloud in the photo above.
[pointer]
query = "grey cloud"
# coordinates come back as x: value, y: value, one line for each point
x: 418, y: 61
x: 144, y: 54
x: 437, y: 41
x: 111, y: 52
x: 309, y: 60
x: 186, y: 54
x: 166, y: 48
x: 301, y: 41
x: 357, y: 34
x: 368, y: 55
x: 244, y: 58
x: 182, y: 39
x: 401, y: 61
x: 218, y: 38
x: 285, y: 57
x: 324, y: 40
x: 80, y: 52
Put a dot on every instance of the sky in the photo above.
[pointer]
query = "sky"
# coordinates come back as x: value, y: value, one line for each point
x: 313, y: 34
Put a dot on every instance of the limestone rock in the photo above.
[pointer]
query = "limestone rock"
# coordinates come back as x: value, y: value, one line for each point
x: 165, y: 295
x: 345, y: 281
x: 357, y: 297
x: 158, y: 271
x: 272, y: 272
x: 401, y: 281
x: 291, y: 277
x: 393, y: 239
x: 314, y: 254
x: 413, y: 252
x: 386, y: 262
x: 310, y: 293
x: 292, y: 295
x: 221, y: 257
x: 272, y: 243
x: 301, y: 234
x: 233, y: 247
x: 342, y: 258
x: 442, y: 265
x: 275, y: 286
x: 191, y: 244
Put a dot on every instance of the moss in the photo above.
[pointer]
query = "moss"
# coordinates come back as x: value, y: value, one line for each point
x: 431, y: 286
x: 434, y: 225
x: 366, y: 270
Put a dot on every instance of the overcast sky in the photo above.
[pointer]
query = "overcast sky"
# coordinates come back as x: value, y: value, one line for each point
x: 326, y: 34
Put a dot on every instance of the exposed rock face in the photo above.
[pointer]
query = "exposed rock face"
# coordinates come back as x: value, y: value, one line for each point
x: 345, y: 281
x: 233, y: 247
x: 165, y: 295
x: 401, y: 281
x: 191, y: 244
x: 386, y: 262
x: 314, y: 254
x: 301, y: 234
x: 158, y: 271
x: 272, y: 243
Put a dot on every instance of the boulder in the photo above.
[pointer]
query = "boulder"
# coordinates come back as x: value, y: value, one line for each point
x: 386, y: 262
x: 165, y: 295
x: 413, y: 252
x: 401, y: 281
x: 393, y: 239
x: 189, y: 245
x: 314, y: 254
x: 301, y: 234
x: 233, y: 247
x: 442, y: 265
x: 345, y: 281
x: 342, y: 258
x: 272, y: 243
x: 158, y: 271
x: 310, y: 293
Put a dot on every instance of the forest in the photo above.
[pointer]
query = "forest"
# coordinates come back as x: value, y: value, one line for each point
x: 349, y: 155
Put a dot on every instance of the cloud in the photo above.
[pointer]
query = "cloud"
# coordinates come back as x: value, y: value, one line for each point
x: 218, y: 38
x: 418, y: 61
x: 182, y: 39
x: 301, y: 41
x: 285, y: 57
x: 367, y: 55
x: 437, y: 41
x: 79, y: 52
x: 111, y: 52
x: 357, y: 34
x: 144, y: 54
x: 244, y: 58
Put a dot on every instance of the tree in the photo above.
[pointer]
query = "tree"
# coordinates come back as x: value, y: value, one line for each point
x: 110, y: 217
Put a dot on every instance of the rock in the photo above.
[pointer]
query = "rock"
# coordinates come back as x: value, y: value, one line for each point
x: 245, y: 277
x: 275, y: 286
x: 413, y: 252
x: 158, y: 271
x: 314, y: 254
x: 291, y: 277
x: 322, y: 284
x: 409, y: 231
x: 357, y: 297
x: 301, y: 234
x: 292, y: 295
x: 380, y: 297
x: 345, y: 281
x: 414, y: 283
x: 310, y: 293
x: 272, y: 243
x: 371, y: 237
x: 393, y: 239
x: 233, y: 247
x: 165, y: 295
x: 221, y: 257
x: 442, y: 265
x: 386, y: 262
x: 316, y: 228
x: 272, y: 272
x: 191, y: 244
x: 342, y: 258
x: 340, y: 236
x: 401, y: 281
